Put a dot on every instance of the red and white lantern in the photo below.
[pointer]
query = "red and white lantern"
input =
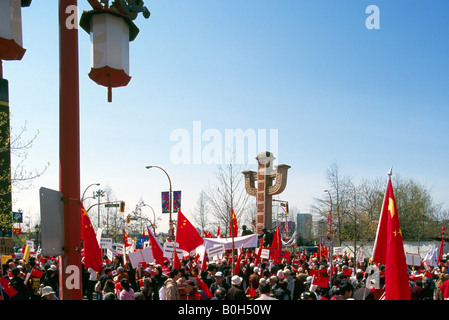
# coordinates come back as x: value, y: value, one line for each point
x: 11, y: 46
x: 110, y: 34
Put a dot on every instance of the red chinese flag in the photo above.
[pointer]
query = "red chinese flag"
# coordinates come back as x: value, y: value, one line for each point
x: 176, y: 262
x: 187, y: 236
x: 251, y: 292
x: 203, y: 286
x: 237, y: 264
x: 277, y: 242
x: 218, y: 232
x: 347, y: 272
x: 36, y: 273
x: 440, y: 254
x: 389, y: 250
x: 126, y: 237
x: 259, y: 252
x: 7, y: 288
x: 234, y: 229
x: 93, y: 256
x: 320, y: 281
x: 156, y: 248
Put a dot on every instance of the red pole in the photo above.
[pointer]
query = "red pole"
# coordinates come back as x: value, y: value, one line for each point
x: 69, y: 150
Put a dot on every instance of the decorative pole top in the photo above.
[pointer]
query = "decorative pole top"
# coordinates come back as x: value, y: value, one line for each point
x: 390, y: 172
x: 130, y: 8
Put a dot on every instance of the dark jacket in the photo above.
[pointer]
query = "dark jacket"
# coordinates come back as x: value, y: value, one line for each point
x: 22, y: 291
x: 235, y: 293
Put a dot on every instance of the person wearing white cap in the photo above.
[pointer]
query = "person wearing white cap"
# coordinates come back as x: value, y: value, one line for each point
x: 236, y: 292
x: 219, y: 283
x: 48, y: 293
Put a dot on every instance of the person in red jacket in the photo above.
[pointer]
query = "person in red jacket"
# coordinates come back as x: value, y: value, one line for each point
x: 444, y: 290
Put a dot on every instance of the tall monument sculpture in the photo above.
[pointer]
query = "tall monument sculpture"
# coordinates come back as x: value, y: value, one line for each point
x: 269, y: 182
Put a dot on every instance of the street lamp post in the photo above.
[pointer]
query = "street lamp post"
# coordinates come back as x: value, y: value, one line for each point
x: 97, y: 195
x: 170, y: 222
x: 93, y: 184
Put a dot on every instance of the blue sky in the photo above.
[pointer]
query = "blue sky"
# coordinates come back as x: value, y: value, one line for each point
x: 335, y: 91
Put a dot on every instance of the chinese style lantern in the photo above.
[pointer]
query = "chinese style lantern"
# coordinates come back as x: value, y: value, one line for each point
x: 11, y: 47
x: 110, y: 33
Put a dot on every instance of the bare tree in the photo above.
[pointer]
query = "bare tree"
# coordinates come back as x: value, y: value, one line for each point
x: 229, y: 193
x: 200, y: 216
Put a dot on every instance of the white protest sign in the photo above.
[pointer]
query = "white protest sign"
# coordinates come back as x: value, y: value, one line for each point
x: 169, y: 248
x: 119, y: 247
x: 265, y: 254
x: 413, y: 259
x: 360, y: 255
x: 111, y: 253
x: 216, y: 250
x: 106, y: 243
x: 144, y: 255
x: 338, y: 251
x: 98, y: 235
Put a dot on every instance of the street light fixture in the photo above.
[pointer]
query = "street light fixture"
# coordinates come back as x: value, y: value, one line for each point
x: 97, y: 195
x: 171, y: 229
x: 93, y: 184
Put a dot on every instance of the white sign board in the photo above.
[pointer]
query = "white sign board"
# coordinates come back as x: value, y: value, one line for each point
x: 106, y: 243
x: 338, y: 251
x: 144, y: 255
x: 413, y: 259
x: 215, y: 250
x: 169, y: 248
x: 119, y: 247
x: 111, y: 253
x: 265, y: 254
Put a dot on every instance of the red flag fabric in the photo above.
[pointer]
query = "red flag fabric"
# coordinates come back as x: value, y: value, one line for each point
x: 93, y: 256
x: 7, y: 288
x: 156, y: 248
x: 143, y: 232
x: 126, y: 237
x: 259, y: 252
x: 234, y: 229
x: 251, y: 292
x: 203, y: 286
x: 320, y: 281
x: 187, y: 236
x: 237, y: 264
x: 218, y: 232
x: 322, y: 250
x: 204, y: 261
x: 36, y: 273
x: 389, y: 250
x: 176, y: 262
x: 277, y: 242
x: 440, y: 254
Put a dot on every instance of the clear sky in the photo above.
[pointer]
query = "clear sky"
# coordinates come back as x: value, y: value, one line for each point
x: 334, y: 91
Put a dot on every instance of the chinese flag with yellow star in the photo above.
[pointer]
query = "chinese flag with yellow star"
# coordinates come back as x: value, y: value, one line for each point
x: 93, y: 256
x: 187, y: 236
x: 234, y: 229
x: 389, y: 250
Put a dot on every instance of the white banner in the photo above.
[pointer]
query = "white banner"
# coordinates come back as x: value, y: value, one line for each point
x: 249, y: 241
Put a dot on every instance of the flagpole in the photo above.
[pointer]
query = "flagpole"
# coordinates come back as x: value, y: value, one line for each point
x: 232, y: 235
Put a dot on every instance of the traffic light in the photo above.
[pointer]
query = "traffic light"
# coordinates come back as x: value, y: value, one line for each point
x: 128, y: 218
x: 122, y: 206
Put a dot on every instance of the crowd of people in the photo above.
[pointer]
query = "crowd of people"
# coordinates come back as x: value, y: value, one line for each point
x: 267, y: 280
